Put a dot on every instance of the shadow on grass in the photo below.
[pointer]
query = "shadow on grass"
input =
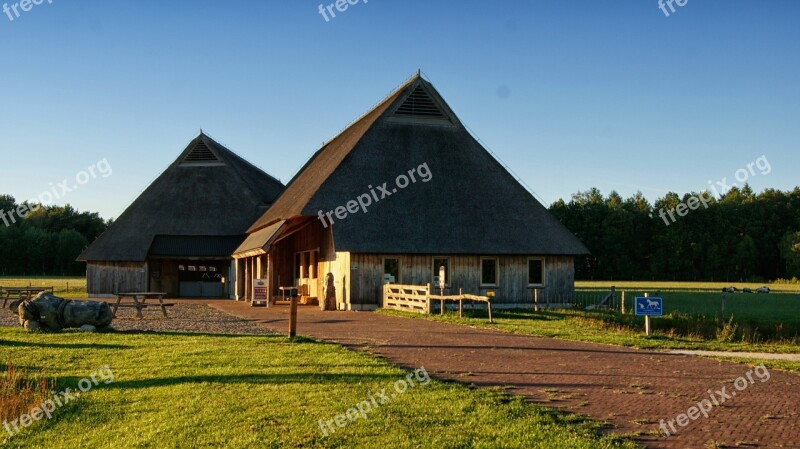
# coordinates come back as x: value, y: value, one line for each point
x: 320, y: 379
x: 22, y: 344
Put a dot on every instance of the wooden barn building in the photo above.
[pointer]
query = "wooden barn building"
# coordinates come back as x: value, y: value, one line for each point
x: 179, y: 234
x: 436, y: 198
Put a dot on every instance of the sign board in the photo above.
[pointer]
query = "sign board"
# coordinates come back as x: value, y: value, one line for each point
x: 442, y: 280
x: 649, y: 306
x: 260, y: 291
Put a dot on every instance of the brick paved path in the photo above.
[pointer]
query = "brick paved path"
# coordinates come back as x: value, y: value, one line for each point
x: 631, y: 389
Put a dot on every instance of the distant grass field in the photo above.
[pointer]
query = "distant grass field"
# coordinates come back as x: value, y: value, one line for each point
x: 691, y: 286
x: 66, y: 287
x: 189, y: 391
x: 760, y: 309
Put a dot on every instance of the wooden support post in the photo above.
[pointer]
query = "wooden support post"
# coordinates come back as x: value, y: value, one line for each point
x: 535, y: 299
x: 489, y: 305
x: 293, y: 317
x: 460, y: 302
x: 647, y: 328
x: 623, y: 302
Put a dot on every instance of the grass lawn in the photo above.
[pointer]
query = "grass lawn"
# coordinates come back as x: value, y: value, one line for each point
x: 195, y: 391
x: 592, y: 327
x: 65, y: 287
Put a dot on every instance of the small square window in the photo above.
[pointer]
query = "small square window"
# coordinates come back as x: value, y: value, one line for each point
x: 488, y: 272
x: 536, y: 272
x: 192, y: 268
x: 202, y: 268
x: 181, y: 267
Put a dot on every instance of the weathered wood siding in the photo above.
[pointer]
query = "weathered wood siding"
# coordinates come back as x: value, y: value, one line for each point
x: 512, y: 288
x: 108, y: 278
x: 168, y: 277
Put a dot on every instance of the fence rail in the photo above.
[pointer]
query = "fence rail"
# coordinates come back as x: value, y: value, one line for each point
x: 407, y: 298
x: 418, y: 299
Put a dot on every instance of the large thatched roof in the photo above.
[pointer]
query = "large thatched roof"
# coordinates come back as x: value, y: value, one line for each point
x: 471, y: 205
x: 208, y: 192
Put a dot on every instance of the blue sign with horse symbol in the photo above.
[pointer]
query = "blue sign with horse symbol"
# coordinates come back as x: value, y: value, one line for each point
x: 649, y: 306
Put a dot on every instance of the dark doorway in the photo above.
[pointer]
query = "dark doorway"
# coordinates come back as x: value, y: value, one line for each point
x: 201, y: 279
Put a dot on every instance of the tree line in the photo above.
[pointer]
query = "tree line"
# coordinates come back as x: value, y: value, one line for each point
x: 44, y: 240
x: 737, y: 236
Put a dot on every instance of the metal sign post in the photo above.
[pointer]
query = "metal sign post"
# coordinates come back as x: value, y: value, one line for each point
x: 648, y: 307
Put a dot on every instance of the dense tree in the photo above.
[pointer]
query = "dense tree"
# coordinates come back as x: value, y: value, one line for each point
x: 738, y: 236
x: 47, y: 240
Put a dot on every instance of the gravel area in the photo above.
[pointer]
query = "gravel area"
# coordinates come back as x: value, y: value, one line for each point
x: 183, y: 317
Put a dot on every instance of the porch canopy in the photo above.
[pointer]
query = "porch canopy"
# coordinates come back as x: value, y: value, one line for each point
x: 258, y: 242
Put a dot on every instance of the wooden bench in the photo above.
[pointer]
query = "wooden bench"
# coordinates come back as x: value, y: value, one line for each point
x: 139, y: 305
x: 27, y: 292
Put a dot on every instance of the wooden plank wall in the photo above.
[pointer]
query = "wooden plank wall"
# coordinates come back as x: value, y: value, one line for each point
x: 512, y: 288
x: 107, y: 278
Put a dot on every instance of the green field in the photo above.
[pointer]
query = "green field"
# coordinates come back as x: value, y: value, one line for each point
x: 195, y: 391
x: 764, y: 311
x: 692, y: 286
x: 66, y: 287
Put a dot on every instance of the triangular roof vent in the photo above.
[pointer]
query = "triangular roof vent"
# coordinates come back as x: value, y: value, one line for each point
x: 419, y: 104
x: 201, y: 154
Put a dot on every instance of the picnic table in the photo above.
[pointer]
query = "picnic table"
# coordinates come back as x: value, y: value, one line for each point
x: 139, y: 302
x: 22, y: 291
x: 291, y: 290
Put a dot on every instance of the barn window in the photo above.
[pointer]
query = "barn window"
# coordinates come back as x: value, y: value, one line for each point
x: 488, y: 272
x: 536, y: 272
x: 437, y: 263
x: 391, y: 271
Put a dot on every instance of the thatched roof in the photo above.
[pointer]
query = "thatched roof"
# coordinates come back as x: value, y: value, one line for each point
x: 208, y: 192
x: 471, y: 205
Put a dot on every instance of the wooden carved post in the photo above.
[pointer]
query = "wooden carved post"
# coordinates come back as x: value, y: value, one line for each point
x: 535, y: 299
x: 460, y: 302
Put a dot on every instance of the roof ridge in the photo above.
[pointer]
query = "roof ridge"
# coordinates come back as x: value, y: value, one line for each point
x: 383, y: 100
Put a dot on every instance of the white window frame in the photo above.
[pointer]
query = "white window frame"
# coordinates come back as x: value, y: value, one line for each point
x: 496, y: 272
x: 528, y: 271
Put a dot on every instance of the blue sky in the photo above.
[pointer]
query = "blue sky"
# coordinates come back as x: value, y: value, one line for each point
x: 570, y: 94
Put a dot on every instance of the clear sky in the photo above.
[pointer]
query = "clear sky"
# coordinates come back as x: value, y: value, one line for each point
x: 571, y: 94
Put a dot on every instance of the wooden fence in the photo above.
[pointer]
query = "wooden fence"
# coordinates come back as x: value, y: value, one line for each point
x: 418, y: 299
x: 407, y: 298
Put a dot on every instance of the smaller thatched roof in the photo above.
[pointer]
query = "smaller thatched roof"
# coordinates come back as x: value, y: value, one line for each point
x: 208, y: 192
